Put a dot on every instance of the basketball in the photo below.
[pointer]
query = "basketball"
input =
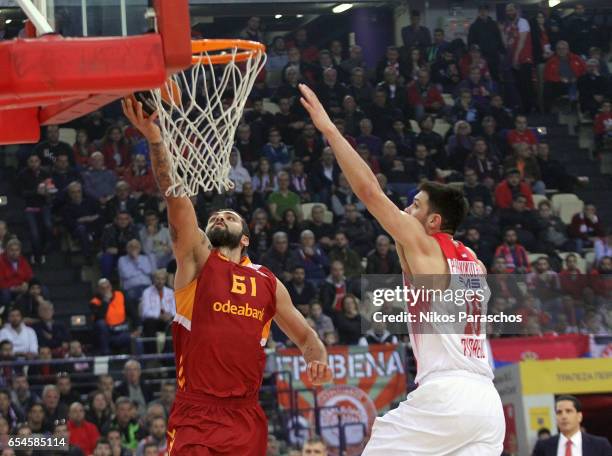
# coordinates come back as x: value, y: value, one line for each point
x: 170, y: 94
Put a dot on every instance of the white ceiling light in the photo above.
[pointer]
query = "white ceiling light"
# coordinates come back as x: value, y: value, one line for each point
x: 278, y: 16
x: 553, y: 3
x: 8, y: 21
x: 299, y: 16
x: 342, y: 7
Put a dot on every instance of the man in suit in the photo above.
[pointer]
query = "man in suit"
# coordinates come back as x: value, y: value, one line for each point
x: 571, y: 441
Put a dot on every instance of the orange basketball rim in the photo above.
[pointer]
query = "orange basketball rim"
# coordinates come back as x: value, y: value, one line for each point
x: 221, y: 51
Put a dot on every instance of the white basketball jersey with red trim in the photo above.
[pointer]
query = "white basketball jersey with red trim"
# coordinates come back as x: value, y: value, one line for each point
x: 440, y: 347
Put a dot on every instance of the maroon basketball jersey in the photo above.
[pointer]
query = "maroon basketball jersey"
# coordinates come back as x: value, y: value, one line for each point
x: 221, y: 326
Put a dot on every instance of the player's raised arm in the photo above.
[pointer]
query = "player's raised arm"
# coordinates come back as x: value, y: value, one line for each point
x: 404, y: 228
x: 293, y: 324
x: 190, y: 245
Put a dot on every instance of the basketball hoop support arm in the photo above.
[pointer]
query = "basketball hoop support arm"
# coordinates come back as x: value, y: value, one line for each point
x: 39, y: 21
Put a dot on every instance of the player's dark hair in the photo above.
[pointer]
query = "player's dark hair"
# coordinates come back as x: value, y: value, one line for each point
x: 543, y: 431
x: 573, y: 399
x: 447, y: 201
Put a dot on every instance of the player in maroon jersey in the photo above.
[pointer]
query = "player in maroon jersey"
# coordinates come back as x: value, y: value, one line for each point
x: 224, y: 308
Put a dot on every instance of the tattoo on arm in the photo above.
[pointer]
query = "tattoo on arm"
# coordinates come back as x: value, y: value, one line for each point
x: 161, y: 166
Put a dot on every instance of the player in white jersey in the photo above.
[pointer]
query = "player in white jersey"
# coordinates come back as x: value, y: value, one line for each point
x: 455, y: 410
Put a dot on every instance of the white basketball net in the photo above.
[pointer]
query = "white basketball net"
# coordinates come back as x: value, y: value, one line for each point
x: 199, y: 134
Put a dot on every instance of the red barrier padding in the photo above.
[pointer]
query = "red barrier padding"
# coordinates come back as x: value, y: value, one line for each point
x: 19, y: 126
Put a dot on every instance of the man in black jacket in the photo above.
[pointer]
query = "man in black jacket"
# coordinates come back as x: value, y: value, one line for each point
x: 571, y: 440
x: 484, y: 32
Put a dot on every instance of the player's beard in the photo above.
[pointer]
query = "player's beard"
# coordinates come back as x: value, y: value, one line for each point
x: 222, y: 237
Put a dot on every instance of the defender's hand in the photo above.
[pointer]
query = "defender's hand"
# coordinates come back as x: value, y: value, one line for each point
x: 319, y: 373
x: 145, y: 125
x: 311, y: 103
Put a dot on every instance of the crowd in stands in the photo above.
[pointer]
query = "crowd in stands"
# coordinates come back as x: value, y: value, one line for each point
x: 431, y: 109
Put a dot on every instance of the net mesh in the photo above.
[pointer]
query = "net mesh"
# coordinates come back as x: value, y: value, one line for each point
x: 199, y: 129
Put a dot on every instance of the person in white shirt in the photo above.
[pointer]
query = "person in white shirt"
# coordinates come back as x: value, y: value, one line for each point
x: 155, y: 239
x: 571, y: 440
x: 135, y: 270
x: 157, y: 307
x: 21, y: 336
x: 238, y: 173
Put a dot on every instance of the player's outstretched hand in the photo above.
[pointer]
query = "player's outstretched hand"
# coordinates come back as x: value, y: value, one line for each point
x: 145, y: 125
x: 319, y: 373
x: 311, y: 103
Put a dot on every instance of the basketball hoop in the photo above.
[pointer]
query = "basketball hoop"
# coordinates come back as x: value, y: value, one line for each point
x: 199, y: 126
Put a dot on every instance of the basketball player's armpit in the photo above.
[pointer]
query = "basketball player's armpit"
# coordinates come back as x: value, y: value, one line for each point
x: 161, y: 166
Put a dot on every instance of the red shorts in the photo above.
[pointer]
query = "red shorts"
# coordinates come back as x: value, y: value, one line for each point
x: 202, y: 425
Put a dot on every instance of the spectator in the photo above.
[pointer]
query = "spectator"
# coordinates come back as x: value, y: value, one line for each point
x: 561, y: 74
x: 115, y: 149
x: 361, y: 92
x: 248, y: 201
x: 423, y: 96
x: 434, y: 52
x: 64, y: 387
x: 524, y: 160
x: 396, y: 94
x: 470, y: 62
x: 522, y: 220
x: 592, y: 88
x: 5, y: 235
x: 289, y: 87
x: 166, y: 396
x: 603, y: 124
x: 323, y: 323
x: 603, y: 247
x: 517, y: 37
x: 283, y: 199
x: 99, y: 412
x: 264, y: 179
x: 36, y: 419
x: 485, y: 33
x: 21, y: 394
x: 433, y: 141
x: 324, y: 232
x: 481, y: 247
x: 103, y: 448
x: 99, y: 182
x: 445, y: 72
x: 62, y: 173
x: 381, y: 114
x: 299, y: 180
x: 247, y: 146
x: 37, y: 189
x: 82, y: 149
x: 585, y: 227
x: 15, y: 272
x: 366, y: 136
x: 8, y: 411
x: 139, y: 177
x: 49, y: 332
x: 513, y: 253
x: 277, y: 60
x: 21, y: 336
x: 125, y: 423
x: 346, y: 255
x: 510, y: 186
x: 82, y: 216
x: 114, y: 241
x: 572, y: 280
x: 481, y: 88
x: 276, y: 151
x: 314, y: 446
x: 383, y: 260
x: 335, y: 288
x: 499, y: 118
x: 43, y: 373
x: 157, y: 307
x: 343, y: 196
x: 312, y: 258
x: 29, y: 302
x: 460, y: 145
x: 551, y: 231
x: 134, y: 387
x: 377, y: 334
x: 522, y: 134
x: 109, y: 314
x: 75, y: 352
x: 83, y: 434
x: 48, y: 150
x: 123, y: 200
x: 60, y: 431
x: 279, y: 259
x: 290, y: 225
x: 54, y: 409
x: 135, y: 270
x: 580, y: 30
x: 416, y: 35
x: 543, y: 282
x: 156, y: 438
x: 484, y: 164
x: 252, y: 31
x: 155, y: 239
x: 309, y: 146
x: 349, y: 322
x: 554, y: 173
x: 325, y: 175
x: 358, y: 229
x: 391, y: 60
x: 288, y: 122
x: 331, y: 92
x: 465, y: 109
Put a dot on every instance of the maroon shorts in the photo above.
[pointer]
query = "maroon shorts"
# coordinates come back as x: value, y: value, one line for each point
x: 202, y: 425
